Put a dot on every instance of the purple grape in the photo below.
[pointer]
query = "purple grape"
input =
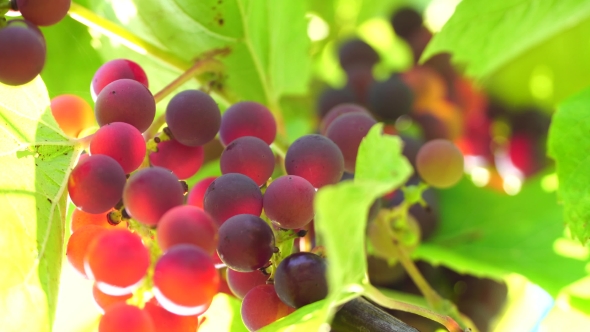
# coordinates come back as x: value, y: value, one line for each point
x: 22, y: 52
x: 347, y: 132
x: 232, y: 194
x: 250, y: 156
x: 316, y: 159
x: 247, y: 118
x: 184, y: 161
x: 193, y: 117
x: 115, y: 70
x: 122, y: 142
x: 288, y: 201
x: 300, y: 279
x: 43, y: 12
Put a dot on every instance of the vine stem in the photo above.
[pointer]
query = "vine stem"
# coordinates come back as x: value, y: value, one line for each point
x: 375, y: 295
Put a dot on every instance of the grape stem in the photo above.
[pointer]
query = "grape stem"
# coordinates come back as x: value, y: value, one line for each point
x: 375, y: 295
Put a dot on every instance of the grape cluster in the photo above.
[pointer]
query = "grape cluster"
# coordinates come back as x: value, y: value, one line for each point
x: 22, y: 45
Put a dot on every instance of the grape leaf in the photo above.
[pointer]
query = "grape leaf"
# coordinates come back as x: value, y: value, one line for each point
x: 490, y: 234
x: 223, y: 315
x: 568, y: 145
x: 484, y: 36
x: 35, y: 157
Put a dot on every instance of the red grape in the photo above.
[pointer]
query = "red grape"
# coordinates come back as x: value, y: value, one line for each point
x: 96, y: 184
x: 104, y: 301
x: 288, y: 201
x: 184, y: 161
x: 78, y: 245
x: 122, y: 142
x: 347, y: 132
x: 185, y: 280
x: 165, y: 321
x: 440, y: 163
x: 247, y: 118
x: 121, y: 317
x: 22, y: 52
x: 117, y: 260
x: 43, y: 12
x: 300, y: 279
x: 232, y: 194
x: 126, y: 101
x: 250, y: 156
x: 262, y: 306
x: 197, y: 193
x: 187, y: 224
x: 81, y: 219
x: 331, y: 98
x: 193, y: 117
x: 337, y: 111
x: 115, y: 70
x: 246, y: 243
x: 72, y: 113
x: 151, y: 192
x: 241, y: 283
x: 316, y: 159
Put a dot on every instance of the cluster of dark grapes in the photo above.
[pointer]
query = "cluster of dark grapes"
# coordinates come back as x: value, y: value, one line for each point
x: 22, y: 45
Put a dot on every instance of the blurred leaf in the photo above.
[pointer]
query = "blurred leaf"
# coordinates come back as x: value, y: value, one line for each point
x: 35, y: 157
x: 490, y: 234
x: 223, y: 315
x: 569, y: 144
x: 484, y: 36
x: 308, y: 318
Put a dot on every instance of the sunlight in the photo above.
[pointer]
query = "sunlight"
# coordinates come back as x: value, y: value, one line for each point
x: 125, y: 10
x: 317, y: 28
x: 571, y: 248
x: 438, y: 13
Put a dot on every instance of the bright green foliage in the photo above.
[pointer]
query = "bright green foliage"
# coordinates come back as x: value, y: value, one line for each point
x: 35, y: 157
x: 490, y: 234
x: 223, y: 315
x: 486, y: 35
x: 569, y: 144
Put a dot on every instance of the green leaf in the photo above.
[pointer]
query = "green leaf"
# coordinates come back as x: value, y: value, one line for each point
x: 223, y: 315
x: 308, y: 318
x: 484, y: 36
x: 490, y: 234
x: 569, y: 143
x: 35, y: 157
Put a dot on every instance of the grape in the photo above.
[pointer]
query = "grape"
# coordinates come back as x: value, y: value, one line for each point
x: 185, y: 280
x: 406, y: 21
x: 232, y: 194
x: 165, y: 321
x: 428, y: 86
x: 104, y: 301
x: 359, y: 79
x: 117, y: 260
x: 197, y: 194
x: 151, y: 192
x: 72, y: 113
x: 22, y: 52
x: 391, y: 99
x: 250, y: 156
x: 96, y: 184
x: 43, y: 12
x: 357, y: 53
x: 247, y: 118
x: 300, y: 279
x: 432, y: 126
x: 246, y: 243
x: 187, y: 224
x: 78, y: 245
x: 347, y: 132
x: 122, y: 142
x: 193, y: 117
x: 241, y: 283
x: 81, y: 219
x: 288, y: 201
x: 126, y: 101
x: 122, y: 317
x: 332, y: 97
x: 262, y: 306
x: 426, y: 217
x: 440, y: 163
x: 316, y: 159
x: 337, y: 111
x: 184, y: 161
x: 115, y: 70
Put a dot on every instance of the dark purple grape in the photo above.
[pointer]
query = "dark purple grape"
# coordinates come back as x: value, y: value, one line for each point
x: 151, y: 192
x: 122, y: 142
x: 232, y: 194
x: 347, y: 132
x: 333, y: 97
x: 193, y: 117
x: 96, y: 184
x: 288, y: 201
x: 115, y: 70
x: 240, y: 283
x: 246, y: 243
x: 391, y: 99
x: 262, y: 306
x: 126, y: 101
x: 405, y: 21
x: 247, y: 118
x: 250, y: 156
x: 184, y: 161
x: 43, y: 12
x: 357, y: 53
x: 22, y: 52
x: 300, y: 279
x: 359, y: 79
x: 337, y: 111
x: 316, y: 159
